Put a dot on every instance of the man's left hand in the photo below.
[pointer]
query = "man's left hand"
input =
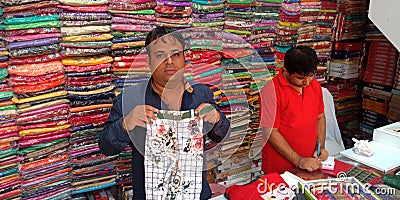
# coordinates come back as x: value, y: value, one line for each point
x: 208, y: 113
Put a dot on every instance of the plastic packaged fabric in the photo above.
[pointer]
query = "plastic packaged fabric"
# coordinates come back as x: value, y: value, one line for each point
x: 131, y: 58
x: 134, y: 12
x: 72, y: 31
x: 129, y: 27
x: 78, y: 121
x: 87, y: 61
x: 92, y: 96
x: 28, y: 143
x: 33, y: 12
x: 33, y: 80
x: 122, y: 52
x: 38, y: 87
x: 88, y: 38
x: 132, y: 7
x: 32, y: 94
x: 33, y: 51
x: 32, y: 31
x: 89, y: 73
x: 84, y: 2
x: 127, y: 20
x: 3, y: 65
x: 36, y: 69
x: 45, y: 24
x: 3, y: 73
x: 87, y: 88
x: 33, y: 19
x: 75, y: 104
x: 57, y: 110
x: 36, y: 59
x: 84, y: 52
x: 18, y: 5
x: 86, y: 23
x: 96, y: 45
x: 92, y: 9
x: 98, y: 91
x: 9, y: 107
x: 72, y: 68
x: 33, y: 43
x: 42, y: 105
x: 84, y: 81
x: 40, y: 97
x: 90, y: 112
x: 43, y: 125
x: 22, y: 38
x: 43, y: 130
x: 73, y: 16
x: 36, y: 120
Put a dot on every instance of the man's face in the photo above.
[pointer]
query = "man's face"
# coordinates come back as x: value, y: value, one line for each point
x: 167, y: 60
x: 299, y: 80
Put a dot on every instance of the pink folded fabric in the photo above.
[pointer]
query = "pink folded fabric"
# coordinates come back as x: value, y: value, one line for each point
x: 21, y: 38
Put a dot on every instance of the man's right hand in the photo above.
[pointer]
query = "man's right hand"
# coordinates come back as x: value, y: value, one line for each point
x: 139, y: 116
x: 310, y: 164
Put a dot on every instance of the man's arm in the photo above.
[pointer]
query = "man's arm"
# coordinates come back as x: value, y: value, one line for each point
x: 321, y: 135
x: 113, y: 138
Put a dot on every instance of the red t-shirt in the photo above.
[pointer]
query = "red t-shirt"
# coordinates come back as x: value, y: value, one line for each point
x: 296, y: 117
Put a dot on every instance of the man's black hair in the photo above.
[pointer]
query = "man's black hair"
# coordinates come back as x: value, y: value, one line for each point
x: 301, y: 60
x: 158, y: 33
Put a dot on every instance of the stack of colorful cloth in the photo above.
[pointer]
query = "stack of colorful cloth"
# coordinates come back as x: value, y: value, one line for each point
x: 203, y: 60
x: 174, y: 13
x: 378, y: 80
x: 308, y: 19
x: 394, y: 105
x: 86, y: 27
x: 132, y: 20
x: 239, y: 18
x: 9, y: 159
x: 37, y: 78
x: 266, y: 16
x: 124, y: 169
x: 343, y: 76
x: 209, y: 14
x: 351, y: 20
x: 288, y: 25
x: 236, y: 61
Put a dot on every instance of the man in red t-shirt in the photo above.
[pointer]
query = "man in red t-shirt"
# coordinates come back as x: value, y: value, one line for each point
x: 292, y: 115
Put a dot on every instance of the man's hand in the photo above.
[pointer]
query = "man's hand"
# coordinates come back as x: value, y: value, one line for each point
x: 208, y: 113
x: 310, y: 164
x: 323, y: 156
x: 139, y: 116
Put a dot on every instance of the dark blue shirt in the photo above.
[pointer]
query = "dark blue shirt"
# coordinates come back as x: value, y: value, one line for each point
x: 113, y: 139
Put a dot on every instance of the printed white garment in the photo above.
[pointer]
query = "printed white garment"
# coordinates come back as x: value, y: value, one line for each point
x: 173, y: 157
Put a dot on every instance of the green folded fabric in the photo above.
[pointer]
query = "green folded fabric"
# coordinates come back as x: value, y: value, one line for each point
x: 46, y: 24
x: 240, y: 1
x: 238, y: 32
x: 9, y: 107
x: 134, y: 34
x: 3, y: 73
x: 27, y: 20
x: 5, y: 94
x: 40, y: 146
x: 207, y: 24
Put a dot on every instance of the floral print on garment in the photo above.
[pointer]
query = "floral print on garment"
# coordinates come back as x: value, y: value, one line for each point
x: 174, y: 158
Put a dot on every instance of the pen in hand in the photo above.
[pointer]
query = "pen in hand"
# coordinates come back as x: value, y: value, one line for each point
x: 318, y: 149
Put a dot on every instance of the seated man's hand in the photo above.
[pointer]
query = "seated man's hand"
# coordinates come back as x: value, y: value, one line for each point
x: 310, y: 164
x: 139, y: 116
x: 208, y: 113
x: 323, y: 156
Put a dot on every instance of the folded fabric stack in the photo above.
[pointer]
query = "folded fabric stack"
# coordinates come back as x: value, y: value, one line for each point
x: 203, y: 61
x: 394, y: 105
x: 239, y: 18
x: 86, y: 27
x: 9, y: 159
x: 234, y: 104
x: 308, y: 19
x: 37, y: 78
x: 373, y: 33
x: 124, y: 169
x: 378, y: 80
x: 132, y: 20
x: 174, y: 13
x: 208, y: 14
x: 343, y: 74
x: 266, y: 16
x: 288, y: 25
x: 351, y: 20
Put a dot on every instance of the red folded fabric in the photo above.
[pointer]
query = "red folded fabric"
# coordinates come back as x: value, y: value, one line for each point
x: 43, y: 125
